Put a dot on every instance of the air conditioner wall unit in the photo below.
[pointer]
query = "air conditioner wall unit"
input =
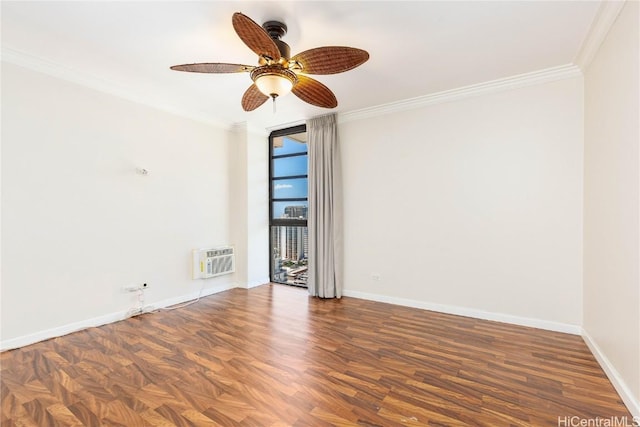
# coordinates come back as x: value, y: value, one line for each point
x: 212, y: 262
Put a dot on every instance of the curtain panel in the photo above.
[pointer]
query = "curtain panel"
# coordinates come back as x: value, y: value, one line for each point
x: 325, y: 271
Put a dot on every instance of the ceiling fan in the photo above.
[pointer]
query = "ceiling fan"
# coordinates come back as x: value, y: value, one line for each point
x: 278, y: 73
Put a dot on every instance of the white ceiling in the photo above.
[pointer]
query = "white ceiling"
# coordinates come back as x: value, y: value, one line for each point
x: 416, y: 48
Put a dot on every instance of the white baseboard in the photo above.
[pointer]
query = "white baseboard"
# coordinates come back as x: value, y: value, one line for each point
x: 103, y: 320
x: 254, y: 283
x: 618, y: 383
x: 469, y: 312
x: 190, y: 297
x: 259, y: 282
x: 62, y: 330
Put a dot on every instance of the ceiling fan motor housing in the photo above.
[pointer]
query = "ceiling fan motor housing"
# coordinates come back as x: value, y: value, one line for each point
x: 276, y: 31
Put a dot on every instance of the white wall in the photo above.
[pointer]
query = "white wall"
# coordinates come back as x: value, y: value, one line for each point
x: 473, y: 205
x: 612, y: 203
x: 249, y: 205
x: 239, y: 201
x: 258, y: 209
x: 78, y: 223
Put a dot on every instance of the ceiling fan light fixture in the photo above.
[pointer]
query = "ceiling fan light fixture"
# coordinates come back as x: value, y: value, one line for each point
x: 274, y: 80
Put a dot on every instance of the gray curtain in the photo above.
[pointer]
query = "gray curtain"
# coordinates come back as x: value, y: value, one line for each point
x: 325, y: 209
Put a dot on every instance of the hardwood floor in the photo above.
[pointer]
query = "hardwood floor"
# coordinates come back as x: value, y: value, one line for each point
x: 272, y: 356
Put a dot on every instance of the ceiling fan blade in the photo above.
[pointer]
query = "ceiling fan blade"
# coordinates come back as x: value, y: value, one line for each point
x: 215, y: 67
x: 253, y: 98
x: 330, y: 59
x: 314, y: 92
x: 255, y: 37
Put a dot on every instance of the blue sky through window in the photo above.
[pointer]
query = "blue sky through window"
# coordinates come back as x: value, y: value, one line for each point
x: 290, y: 188
x: 289, y: 166
x: 289, y: 146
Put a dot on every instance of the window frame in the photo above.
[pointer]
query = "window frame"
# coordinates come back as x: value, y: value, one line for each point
x: 282, y: 222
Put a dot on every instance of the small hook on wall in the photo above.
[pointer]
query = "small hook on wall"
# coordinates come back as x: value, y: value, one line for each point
x: 142, y: 171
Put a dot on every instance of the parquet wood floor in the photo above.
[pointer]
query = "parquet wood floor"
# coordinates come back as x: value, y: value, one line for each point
x: 272, y: 356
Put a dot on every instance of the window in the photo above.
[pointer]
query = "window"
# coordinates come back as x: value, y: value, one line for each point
x: 288, y: 190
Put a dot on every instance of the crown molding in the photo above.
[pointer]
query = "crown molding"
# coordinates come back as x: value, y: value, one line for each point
x: 602, y: 23
x: 521, y: 80
x: 34, y: 63
x: 286, y: 125
x: 239, y: 127
x: 248, y: 128
x: 51, y: 68
x: 256, y: 130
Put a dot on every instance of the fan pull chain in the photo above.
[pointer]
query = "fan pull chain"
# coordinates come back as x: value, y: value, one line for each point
x: 274, y: 103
